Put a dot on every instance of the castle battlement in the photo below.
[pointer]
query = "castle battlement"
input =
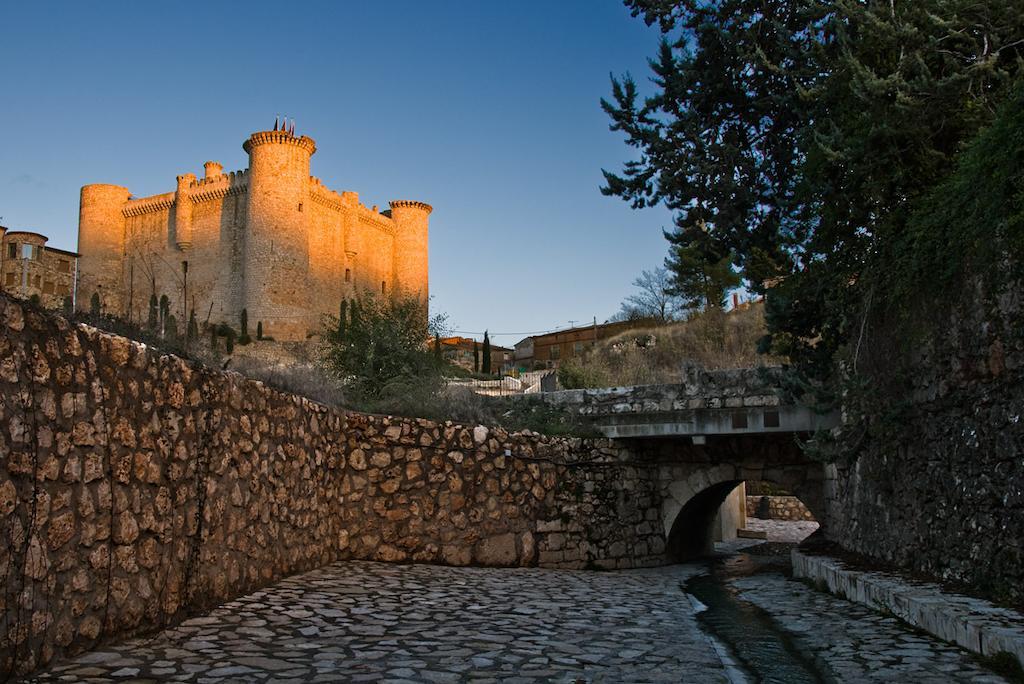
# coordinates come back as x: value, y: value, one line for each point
x: 270, y: 239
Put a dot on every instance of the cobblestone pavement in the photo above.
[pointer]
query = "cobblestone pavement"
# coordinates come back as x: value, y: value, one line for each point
x: 353, y: 622
x: 854, y: 643
x: 357, y: 621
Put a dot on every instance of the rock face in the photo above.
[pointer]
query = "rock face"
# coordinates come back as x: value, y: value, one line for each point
x: 136, y: 486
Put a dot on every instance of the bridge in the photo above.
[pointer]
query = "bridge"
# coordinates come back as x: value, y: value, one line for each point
x: 704, y: 436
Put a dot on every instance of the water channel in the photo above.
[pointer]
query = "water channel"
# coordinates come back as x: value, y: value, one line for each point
x: 762, y: 651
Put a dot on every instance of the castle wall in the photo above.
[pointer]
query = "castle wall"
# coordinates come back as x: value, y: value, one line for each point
x: 327, y: 260
x: 271, y: 239
x: 375, y: 258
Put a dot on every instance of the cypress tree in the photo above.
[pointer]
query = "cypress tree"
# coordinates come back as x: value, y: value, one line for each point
x: 259, y: 330
x: 437, y: 347
x: 245, y: 322
x: 192, y: 332
x: 152, y: 320
x: 94, y: 304
x: 354, y: 316
x: 165, y: 310
x: 213, y: 338
x: 476, y: 357
x: 171, y: 329
x: 487, y: 354
x: 342, y: 314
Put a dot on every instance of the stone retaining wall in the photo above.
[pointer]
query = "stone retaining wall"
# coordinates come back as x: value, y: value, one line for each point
x: 938, y: 486
x: 136, y: 487
x: 777, y: 508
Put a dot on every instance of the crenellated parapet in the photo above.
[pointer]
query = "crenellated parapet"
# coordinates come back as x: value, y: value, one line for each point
x: 219, y: 187
x: 148, y: 205
x: 411, y: 204
x: 278, y: 138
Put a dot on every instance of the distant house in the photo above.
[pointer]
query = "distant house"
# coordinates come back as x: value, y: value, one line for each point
x: 459, y: 351
x: 29, y: 268
x: 548, y: 350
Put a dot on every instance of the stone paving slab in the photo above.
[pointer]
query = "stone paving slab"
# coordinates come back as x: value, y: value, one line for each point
x: 977, y: 625
x: 358, y: 621
x: 855, y: 643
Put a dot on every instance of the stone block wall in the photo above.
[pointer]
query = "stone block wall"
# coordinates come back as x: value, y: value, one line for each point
x: 777, y: 508
x: 136, y: 487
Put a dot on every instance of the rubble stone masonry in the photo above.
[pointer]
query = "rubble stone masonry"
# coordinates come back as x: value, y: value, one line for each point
x: 136, y: 487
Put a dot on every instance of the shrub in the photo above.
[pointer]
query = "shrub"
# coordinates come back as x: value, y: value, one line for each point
x: 381, y: 354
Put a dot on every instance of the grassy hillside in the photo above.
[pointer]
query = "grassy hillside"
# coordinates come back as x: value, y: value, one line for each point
x: 657, y: 355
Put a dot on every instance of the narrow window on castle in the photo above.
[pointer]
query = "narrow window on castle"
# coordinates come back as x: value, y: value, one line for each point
x: 12, y: 250
x: 10, y: 279
x: 382, y: 286
x: 300, y: 206
x: 26, y: 251
x: 348, y: 275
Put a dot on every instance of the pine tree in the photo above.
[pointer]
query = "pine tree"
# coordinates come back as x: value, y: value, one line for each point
x: 487, y: 354
x: 798, y: 136
x: 476, y: 357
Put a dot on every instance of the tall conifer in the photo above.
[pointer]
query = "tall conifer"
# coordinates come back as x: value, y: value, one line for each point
x: 487, y: 354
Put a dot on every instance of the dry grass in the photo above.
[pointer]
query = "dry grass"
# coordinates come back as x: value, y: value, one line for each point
x: 658, y: 355
x: 305, y: 380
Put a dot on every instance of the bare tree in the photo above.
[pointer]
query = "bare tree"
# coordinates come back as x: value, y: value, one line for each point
x: 653, y: 300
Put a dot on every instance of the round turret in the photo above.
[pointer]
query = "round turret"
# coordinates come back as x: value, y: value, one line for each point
x: 277, y: 245
x: 411, y: 232
x: 183, y: 212
x: 212, y: 169
x: 101, y: 245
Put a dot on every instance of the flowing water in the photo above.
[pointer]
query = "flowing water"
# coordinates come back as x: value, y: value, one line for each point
x: 765, y: 652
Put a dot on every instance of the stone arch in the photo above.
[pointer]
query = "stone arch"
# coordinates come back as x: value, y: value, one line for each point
x: 690, y: 502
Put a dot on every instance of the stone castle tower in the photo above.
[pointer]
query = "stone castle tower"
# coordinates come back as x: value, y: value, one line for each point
x: 271, y: 240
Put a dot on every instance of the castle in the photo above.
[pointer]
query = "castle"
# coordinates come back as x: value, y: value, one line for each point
x: 270, y: 240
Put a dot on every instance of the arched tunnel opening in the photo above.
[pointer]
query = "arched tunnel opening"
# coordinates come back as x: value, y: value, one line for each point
x: 692, y: 535
x: 737, y: 508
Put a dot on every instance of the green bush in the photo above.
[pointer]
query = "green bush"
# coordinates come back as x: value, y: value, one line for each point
x: 382, y: 354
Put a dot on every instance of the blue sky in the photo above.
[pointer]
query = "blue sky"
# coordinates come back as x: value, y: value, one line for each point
x: 489, y: 111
